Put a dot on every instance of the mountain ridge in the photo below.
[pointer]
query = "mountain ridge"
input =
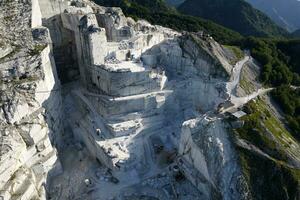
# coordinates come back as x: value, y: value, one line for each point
x: 285, y: 13
x: 296, y: 33
x: 237, y: 15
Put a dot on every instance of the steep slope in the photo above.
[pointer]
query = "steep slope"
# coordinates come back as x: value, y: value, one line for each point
x: 296, y: 33
x: 279, y: 68
x: 235, y: 14
x: 285, y: 13
x: 269, y: 154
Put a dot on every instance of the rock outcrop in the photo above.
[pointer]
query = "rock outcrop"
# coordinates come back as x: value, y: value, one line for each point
x: 30, y: 103
x: 206, y: 147
x: 140, y: 84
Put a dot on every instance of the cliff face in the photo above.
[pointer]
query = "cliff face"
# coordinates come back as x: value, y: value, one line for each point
x: 140, y: 84
x: 206, y: 144
x: 30, y: 103
x: 143, y: 110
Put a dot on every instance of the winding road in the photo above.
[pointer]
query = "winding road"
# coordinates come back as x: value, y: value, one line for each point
x: 232, y: 85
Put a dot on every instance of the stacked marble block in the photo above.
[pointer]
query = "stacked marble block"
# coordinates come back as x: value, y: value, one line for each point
x: 127, y: 95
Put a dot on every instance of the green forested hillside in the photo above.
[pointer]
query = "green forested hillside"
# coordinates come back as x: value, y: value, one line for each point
x: 280, y: 62
x: 285, y: 13
x: 279, y: 59
x: 296, y: 34
x: 273, y: 178
x: 157, y: 12
x: 237, y: 15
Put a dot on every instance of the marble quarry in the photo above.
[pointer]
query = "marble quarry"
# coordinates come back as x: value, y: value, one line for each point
x: 139, y: 117
x: 123, y: 96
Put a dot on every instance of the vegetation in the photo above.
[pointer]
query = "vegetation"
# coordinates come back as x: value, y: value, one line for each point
x: 296, y: 34
x: 157, y: 12
x: 237, y: 15
x: 276, y: 59
x: 269, y: 180
x: 269, y: 172
x: 280, y: 68
x: 24, y: 79
x: 291, y: 51
x: 247, y: 85
x: 238, y: 53
x: 289, y: 100
x: 37, y: 49
x: 285, y: 13
x: 254, y: 130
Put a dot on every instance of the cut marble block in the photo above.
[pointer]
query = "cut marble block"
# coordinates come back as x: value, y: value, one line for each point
x: 123, y: 105
x: 125, y: 128
x: 127, y: 78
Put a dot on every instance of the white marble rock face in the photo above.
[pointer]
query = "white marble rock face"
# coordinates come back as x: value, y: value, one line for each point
x: 137, y: 81
x: 27, y: 155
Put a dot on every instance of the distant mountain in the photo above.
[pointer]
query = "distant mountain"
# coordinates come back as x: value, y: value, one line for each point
x: 174, y: 2
x: 234, y: 14
x: 158, y: 12
x: 285, y: 13
x: 296, y: 33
